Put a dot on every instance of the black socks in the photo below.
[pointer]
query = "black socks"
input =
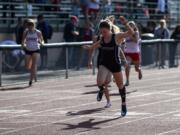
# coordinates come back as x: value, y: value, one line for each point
x: 122, y: 93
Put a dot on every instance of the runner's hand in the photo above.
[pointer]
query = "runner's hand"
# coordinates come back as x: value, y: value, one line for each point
x: 23, y: 46
x: 123, y: 20
x: 87, y: 47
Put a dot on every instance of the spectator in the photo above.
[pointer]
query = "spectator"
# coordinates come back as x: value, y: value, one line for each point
x: 84, y: 6
x: 161, y: 32
x: 70, y: 35
x: 88, y: 32
x: 132, y: 6
x: 173, y: 48
x: 56, y: 3
x: 152, y: 5
x: 43, y: 26
x: 19, y: 29
x: 150, y: 28
x: 75, y: 7
x: 94, y: 6
x: 70, y: 30
x: 10, y: 7
x: 118, y: 7
x: 87, y: 35
x: 161, y: 9
x: 29, y: 7
x: 107, y: 6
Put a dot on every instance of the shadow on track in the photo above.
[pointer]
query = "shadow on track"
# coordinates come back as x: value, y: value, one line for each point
x: 90, y: 124
x: 14, y: 88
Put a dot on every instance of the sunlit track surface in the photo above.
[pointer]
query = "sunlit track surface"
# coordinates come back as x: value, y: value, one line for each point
x: 57, y: 106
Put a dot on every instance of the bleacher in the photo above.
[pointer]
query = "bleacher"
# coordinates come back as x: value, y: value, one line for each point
x: 58, y: 17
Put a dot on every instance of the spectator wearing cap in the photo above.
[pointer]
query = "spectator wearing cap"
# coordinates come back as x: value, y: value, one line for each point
x: 70, y: 30
x: 70, y: 35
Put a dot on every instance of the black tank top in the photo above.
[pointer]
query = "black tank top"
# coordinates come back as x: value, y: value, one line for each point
x: 109, y: 52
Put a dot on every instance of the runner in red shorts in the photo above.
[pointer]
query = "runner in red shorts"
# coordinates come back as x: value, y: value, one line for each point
x: 132, y: 53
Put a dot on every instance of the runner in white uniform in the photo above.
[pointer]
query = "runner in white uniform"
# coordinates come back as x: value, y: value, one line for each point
x: 31, y: 40
x: 132, y: 52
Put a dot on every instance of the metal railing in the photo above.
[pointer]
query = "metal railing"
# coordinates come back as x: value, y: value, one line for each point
x: 67, y: 45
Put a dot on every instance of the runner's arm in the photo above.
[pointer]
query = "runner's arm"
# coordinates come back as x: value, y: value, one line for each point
x: 120, y: 36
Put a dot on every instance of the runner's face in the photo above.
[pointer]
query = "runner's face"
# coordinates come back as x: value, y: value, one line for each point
x: 105, y: 32
x: 30, y: 27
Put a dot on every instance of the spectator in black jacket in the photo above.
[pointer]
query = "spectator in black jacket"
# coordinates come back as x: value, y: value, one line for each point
x: 70, y: 30
x: 43, y: 26
x: 70, y: 35
x: 173, y: 47
x: 19, y: 29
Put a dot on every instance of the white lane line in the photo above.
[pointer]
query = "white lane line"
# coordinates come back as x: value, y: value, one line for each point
x: 84, y: 96
x: 46, y: 93
x: 54, y: 109
x: 159, y: 74
x: 98, y: 113
x: 78, y: 83
x: 140, y: 87
x: 6, y: 128
x: 169, y: 131
x: 84, y: 77
x: 70, y: 119
x: 158, y: 78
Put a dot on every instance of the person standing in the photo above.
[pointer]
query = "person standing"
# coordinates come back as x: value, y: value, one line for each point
x: 70, y: 30
x: 94, y: 7
x: 75, y: 7
x: 85, y: 9
x: 19, y: 29
x: 30, y: 42
x: 173, y: 47
x: 161, y: 9
x: 70, y: 34
x: 161, y: 32
x: 43, y: 26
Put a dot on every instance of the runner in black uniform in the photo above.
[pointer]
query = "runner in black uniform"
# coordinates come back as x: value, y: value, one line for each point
x: 110, y: 58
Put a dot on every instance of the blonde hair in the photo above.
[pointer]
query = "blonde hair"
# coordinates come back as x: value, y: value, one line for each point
x: 31, y: 22
x: 132, y: 23
x: 114, y: 28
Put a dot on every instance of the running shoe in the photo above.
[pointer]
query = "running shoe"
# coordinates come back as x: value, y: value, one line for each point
x: 123, y: 110
x: 108, y: 105
x: 35, y: 79
x: 100, y: 95
x: 127, y: 83
x: 30, y: 83
x: 140, y: 75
